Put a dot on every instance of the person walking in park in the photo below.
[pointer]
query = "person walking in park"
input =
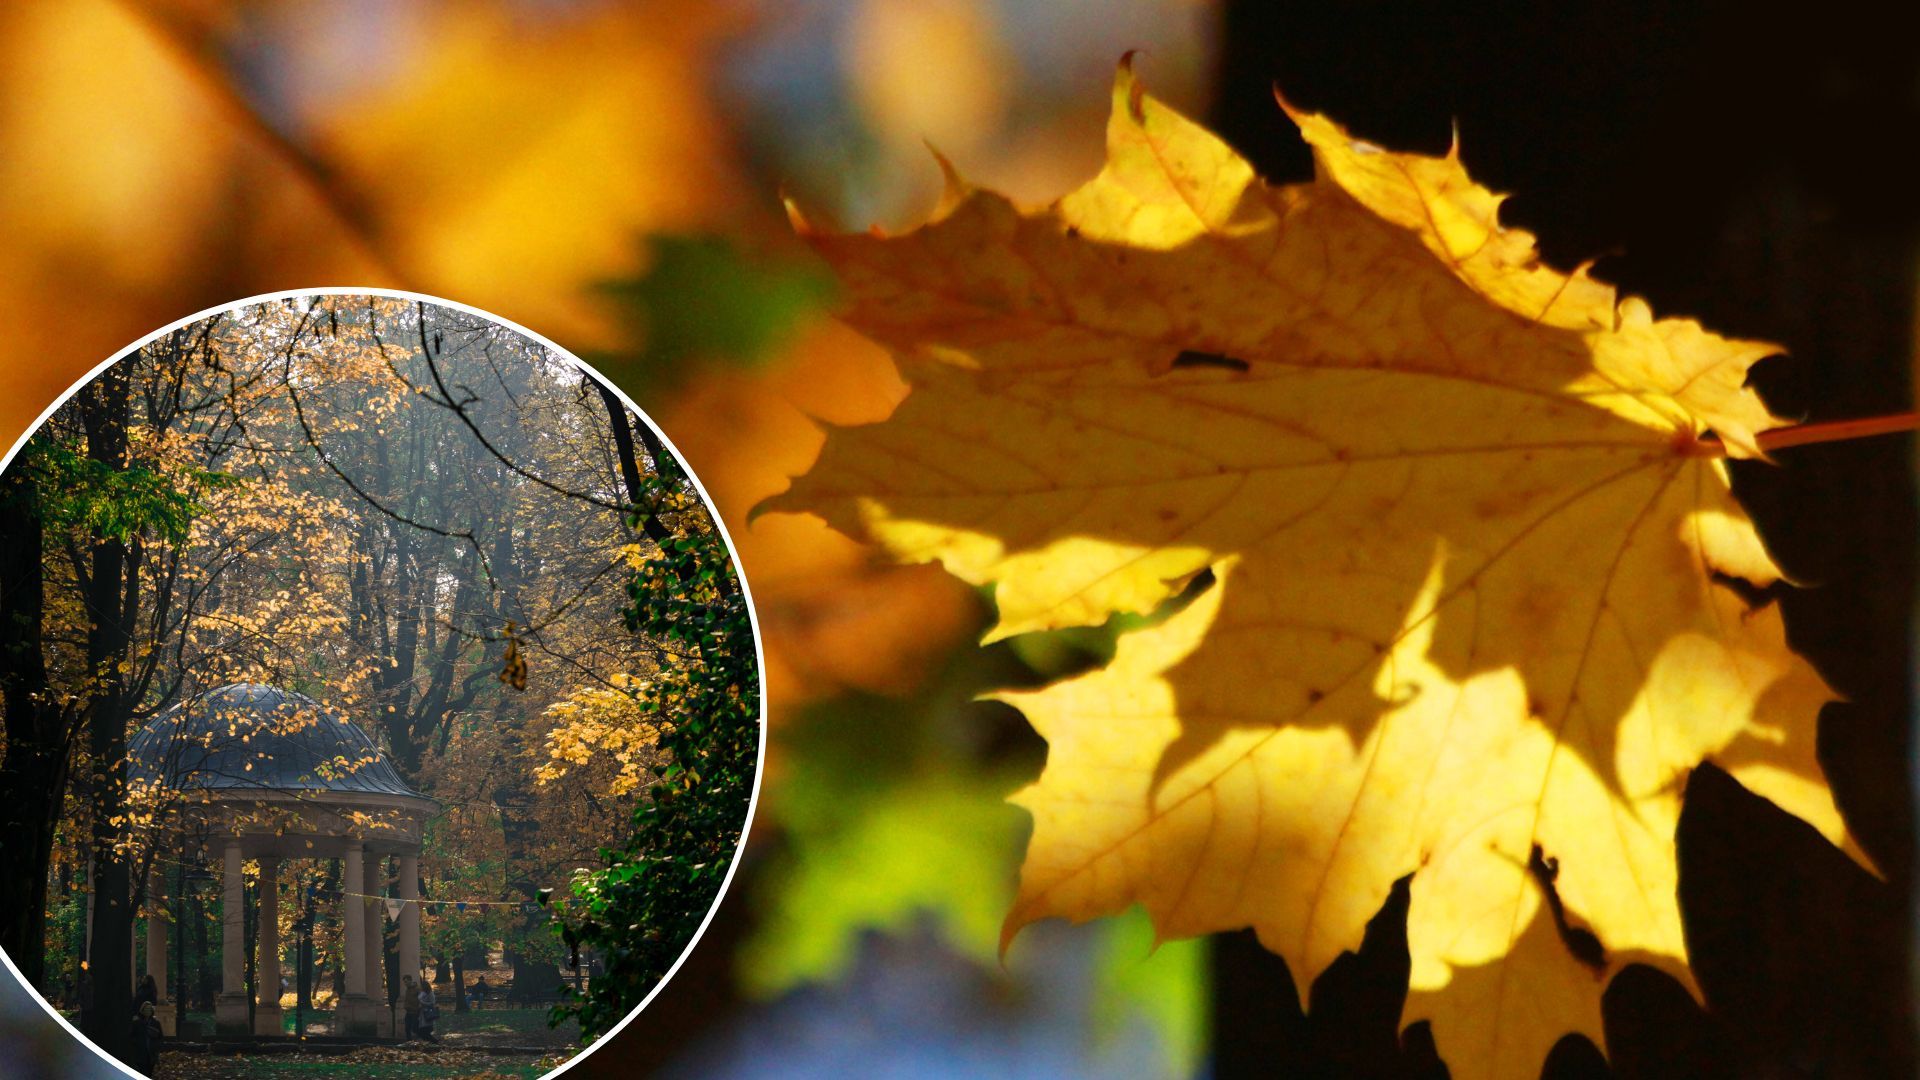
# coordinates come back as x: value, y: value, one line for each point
x: 429, y: 1012
x: 410, y: 1001
x: 145, y: 1040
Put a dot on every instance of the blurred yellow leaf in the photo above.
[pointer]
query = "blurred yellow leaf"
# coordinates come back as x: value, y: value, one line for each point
x: 513, y: 162
x: 499, y: 160
x: 131, y: 194
x: 930, y: 70
x: 1467, y: 522
x: 832, y: 619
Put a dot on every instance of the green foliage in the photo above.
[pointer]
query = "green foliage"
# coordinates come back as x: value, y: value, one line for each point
x: 935, y: 844
x: 892, y: 816
x: 530, y: 1024
x: 703, y: 299
x: 75, y: 492
x: 467, y: 868
x: 1141, y: 980
x: 66, y: 932
x: 642, y: 909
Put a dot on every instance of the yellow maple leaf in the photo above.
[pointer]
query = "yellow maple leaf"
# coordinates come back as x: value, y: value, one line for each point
x: 1467, y: 516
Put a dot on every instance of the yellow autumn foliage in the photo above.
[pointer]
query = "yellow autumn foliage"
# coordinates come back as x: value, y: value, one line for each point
x: 602, y: 723
x: 1467, y: 520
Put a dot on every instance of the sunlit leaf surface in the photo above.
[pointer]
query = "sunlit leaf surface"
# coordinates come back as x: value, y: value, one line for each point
x: 1470, y: 536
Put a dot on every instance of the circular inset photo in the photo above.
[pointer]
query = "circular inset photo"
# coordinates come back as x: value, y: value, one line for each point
x: 382, y: 698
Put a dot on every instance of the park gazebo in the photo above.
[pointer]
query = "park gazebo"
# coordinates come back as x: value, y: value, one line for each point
x: 255, y: 772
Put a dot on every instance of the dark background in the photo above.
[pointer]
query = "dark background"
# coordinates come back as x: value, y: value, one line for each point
x: 1752, y: 166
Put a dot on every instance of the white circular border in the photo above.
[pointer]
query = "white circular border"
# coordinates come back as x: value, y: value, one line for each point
x: 740, y: 573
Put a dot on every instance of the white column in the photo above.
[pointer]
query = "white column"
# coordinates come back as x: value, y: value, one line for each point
x: 266, y: 940
x: 157, y: 944
x: 410, y: 916
x: 230, y: 1011
x: 376, y: 946
x: 354, y: 949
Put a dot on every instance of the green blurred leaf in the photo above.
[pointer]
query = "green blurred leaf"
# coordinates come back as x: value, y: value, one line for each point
x: 1163, y: 986
x: 939, y: 844
x: 705, y: 300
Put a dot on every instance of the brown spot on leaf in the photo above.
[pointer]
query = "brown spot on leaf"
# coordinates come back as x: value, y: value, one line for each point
x: 1191, y: 358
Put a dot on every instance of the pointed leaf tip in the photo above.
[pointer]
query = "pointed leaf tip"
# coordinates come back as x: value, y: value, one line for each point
x: 1127, y: 89
x: 1009, y: 930
x: 1293, y: 113
x: 955, y: 187
x: 797, y: 217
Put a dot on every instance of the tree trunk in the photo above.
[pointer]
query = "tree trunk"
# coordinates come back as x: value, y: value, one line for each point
x: 337, y: 975
x: 624, y: 432
x: 112, y: 587
x: 390, y: 959
x: 27, y: 818
x: 303, y: 959
x: 33, y: 772
x: 202, y: 970
x: 516, y: 964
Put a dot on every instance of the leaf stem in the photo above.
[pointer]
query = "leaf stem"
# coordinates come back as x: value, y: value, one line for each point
x: 1826, y: 431
x: 1838, y: 430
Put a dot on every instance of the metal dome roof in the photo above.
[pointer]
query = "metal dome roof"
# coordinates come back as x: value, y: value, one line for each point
x: 260, y: 738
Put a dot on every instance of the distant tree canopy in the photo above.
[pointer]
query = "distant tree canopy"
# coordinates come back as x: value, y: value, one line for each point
x: 416, y: 516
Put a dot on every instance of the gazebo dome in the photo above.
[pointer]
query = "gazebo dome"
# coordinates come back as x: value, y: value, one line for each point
x: 260, y: 738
